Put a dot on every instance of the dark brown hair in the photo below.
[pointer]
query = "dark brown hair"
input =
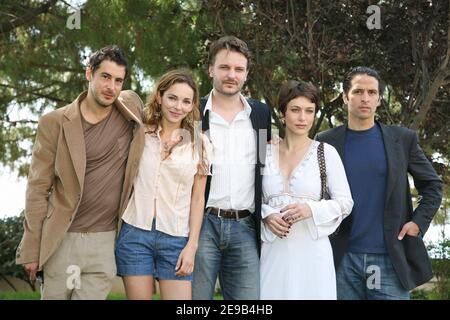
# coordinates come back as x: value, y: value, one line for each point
x: 230, y: 43
x: 112, y: 53
x: 292, y: 89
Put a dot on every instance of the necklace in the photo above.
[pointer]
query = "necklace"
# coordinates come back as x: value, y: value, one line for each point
x: 168, y: 146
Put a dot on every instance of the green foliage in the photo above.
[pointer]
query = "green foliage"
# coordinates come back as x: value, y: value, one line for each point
x: 441, y: 268
x: 42, y: 62
x: 440, y: 251
x: 11, y: 230
x: 419, y: 294
x: 442, y: 217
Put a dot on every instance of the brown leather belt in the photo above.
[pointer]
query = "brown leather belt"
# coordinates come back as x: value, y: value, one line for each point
x: 228, y: 214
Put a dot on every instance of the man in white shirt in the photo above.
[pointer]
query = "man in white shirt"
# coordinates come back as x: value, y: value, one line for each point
x: 239, y: 128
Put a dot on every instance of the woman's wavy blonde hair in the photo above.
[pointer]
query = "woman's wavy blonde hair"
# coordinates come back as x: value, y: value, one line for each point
x: 153, y: 114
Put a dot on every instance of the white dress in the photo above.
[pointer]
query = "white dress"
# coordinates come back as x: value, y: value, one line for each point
x: 300, y: 266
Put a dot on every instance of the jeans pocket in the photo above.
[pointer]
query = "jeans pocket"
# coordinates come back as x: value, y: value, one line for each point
x: 248, y: 222
x: 124, y: 232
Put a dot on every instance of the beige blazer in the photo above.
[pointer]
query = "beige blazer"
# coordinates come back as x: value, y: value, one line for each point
x: 56, y: 176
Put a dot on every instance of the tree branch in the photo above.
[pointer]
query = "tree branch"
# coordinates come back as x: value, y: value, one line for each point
x: 439, y: 77
x: 59, y: 68
x: 35, y: 92
x: 274, y: 21
x: 6, y: 27
x: 310, y: 20
x: 416, y: 73
x: 8, y: 282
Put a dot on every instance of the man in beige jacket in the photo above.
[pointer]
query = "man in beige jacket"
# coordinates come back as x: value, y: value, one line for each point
x: 84, y: 161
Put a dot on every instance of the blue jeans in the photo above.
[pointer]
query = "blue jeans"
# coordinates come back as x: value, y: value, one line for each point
x: 368, y: 276
x: 227, y: 248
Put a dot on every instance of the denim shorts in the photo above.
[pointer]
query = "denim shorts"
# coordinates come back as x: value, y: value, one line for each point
x: 150, y: 253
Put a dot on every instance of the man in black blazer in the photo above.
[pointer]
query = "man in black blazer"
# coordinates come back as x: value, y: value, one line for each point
x: 378, y: 250
x: 239, y: 129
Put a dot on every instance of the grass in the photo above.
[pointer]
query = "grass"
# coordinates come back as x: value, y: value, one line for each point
x: 22, y: 295
x: 417, y: 294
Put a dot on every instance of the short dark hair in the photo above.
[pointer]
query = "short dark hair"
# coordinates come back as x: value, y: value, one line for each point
x: 229, y: 43
x: 292, y: 89
x: 347, y: 83
x: 112, y: 53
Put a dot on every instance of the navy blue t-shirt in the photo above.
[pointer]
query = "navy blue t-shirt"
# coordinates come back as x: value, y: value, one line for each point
x: 366, y: 168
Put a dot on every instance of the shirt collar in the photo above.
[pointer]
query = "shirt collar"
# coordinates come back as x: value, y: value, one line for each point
x: 153, y: 133
x: 247, y: 107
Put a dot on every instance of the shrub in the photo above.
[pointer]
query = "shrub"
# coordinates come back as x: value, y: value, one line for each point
x: 440, y: 251
x: 11, y: 230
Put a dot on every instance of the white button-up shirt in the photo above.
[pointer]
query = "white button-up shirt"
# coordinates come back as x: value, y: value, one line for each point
x: 233, y: 171
x: 163, y: 188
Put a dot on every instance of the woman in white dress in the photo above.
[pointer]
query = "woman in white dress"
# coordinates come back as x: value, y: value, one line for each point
x: 296, y: 257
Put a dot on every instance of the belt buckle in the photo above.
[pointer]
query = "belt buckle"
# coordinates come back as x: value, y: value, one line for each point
x: 218, y: 213
x: 236, y: 212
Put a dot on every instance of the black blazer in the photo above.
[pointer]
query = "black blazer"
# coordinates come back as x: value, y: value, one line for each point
x: 261, y: 122
x: 409, y: 256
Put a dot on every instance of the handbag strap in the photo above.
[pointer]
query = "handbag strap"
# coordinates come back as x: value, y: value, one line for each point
x: 323, y: 169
